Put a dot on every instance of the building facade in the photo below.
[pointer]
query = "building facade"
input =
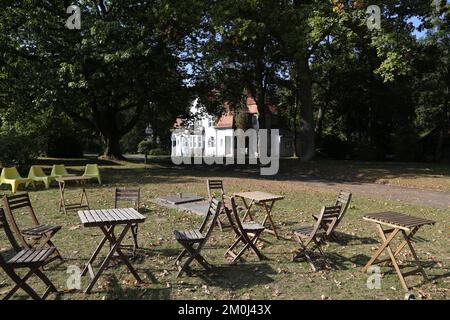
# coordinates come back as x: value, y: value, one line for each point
x: 208, y: 136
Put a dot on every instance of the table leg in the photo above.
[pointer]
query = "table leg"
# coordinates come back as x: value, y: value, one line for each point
x: 269, y: 217
x: 115, y: 248
x: 416, y: 258
x: 392, y: 256
x: 247, y: 210
x: 96, y: 252
x: 61, y: 197
x: 123, y: 257
x: 84, y: 198
x: 381, y: 249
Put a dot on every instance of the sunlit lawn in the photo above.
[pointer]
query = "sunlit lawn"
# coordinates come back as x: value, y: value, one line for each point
x: 277, y: 278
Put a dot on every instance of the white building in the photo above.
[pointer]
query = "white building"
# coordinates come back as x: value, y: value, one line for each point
x: 210, y: 137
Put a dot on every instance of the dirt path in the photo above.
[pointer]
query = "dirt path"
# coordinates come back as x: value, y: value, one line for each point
x: 422, y: 197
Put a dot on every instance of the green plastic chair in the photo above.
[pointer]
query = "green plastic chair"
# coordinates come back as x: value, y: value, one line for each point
x: 12, y: 177
x: 59, y: 170
x: 36, y: 174
x: 92, y: 171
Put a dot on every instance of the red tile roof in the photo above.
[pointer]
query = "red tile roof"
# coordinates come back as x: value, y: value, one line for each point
x: 226, y: 120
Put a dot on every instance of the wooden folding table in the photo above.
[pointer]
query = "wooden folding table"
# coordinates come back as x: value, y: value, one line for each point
x: 397, y: 223
x: 263, y: 199
x: 107, y: 220
x: 66, y: 206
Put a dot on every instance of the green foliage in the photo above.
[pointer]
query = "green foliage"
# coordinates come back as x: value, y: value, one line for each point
x: 135, y: 63
x: 158, y: 152
x: 145, y: 146
x: 17, y: 150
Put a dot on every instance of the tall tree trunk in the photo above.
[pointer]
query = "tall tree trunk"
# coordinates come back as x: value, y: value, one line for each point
x: 113, y: 150
x: 294, y: 119
x: 306, y: 113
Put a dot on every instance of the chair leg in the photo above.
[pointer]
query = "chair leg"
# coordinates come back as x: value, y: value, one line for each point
x: 219, y: 224
x: 15, y: 186
x: 134, y: 232
x: 194, y: 254
x: 21, y: 284
x: 50, y: 286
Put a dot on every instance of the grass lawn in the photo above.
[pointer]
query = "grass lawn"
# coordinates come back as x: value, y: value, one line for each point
x: 277, y: 278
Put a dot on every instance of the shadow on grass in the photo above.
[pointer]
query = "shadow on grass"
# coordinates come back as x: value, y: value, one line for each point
x: 75, y: 162
x: 117, y: 291
x: 239, y: 276
x: 345, y: 239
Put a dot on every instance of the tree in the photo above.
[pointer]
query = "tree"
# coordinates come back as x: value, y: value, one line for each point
x: 125, y: 58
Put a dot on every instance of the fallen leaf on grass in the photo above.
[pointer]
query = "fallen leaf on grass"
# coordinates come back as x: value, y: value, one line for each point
x: 276, y: 293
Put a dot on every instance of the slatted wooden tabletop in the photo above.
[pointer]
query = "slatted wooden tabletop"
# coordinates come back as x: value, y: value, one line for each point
x: 90, y: 218
x: 259, y: 196
x: 398, y: 220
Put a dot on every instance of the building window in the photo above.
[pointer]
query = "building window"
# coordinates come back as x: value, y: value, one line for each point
x: 211, y: 122
x: 211, y: 142
x: 185, y: 143
x: 199, y: 141
x: 174, y: 143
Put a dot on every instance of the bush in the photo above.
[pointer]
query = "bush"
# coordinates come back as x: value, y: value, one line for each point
x: 64, y: 146
x: 158, y: 152
x: 334, y: 147
x: 17, y: 150
x: 145, y: 146
x: 406, y: 144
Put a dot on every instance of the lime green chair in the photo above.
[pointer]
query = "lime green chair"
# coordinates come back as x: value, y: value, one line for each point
x: 59, y: 170
x: 12, y: 177
x: 36, y: 174
x: 92, y: 171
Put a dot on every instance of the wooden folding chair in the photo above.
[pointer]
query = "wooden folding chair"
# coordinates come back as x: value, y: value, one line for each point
x: 193, y: 241
x: 332, y: 219
x: 213, y: 186
x: 311, y: 238
x: 33, y: 259
x: 134, y: 196
x: 247, y: 233
x: 36, y: 236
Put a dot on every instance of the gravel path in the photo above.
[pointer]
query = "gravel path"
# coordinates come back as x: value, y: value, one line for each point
x: 421, y: 197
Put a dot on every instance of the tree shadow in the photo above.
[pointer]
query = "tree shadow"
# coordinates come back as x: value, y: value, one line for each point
x: 237, y: 276
x: 116, y: 290
x: 341, y: 262
x: 345, y: 239
x: 75, y: 162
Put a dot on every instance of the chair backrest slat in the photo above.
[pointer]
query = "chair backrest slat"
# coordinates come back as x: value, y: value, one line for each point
x: 211, y: 217
x: 128, y: 195
x: 318, y: 224
x: 13, y: 203
x: 213, y: 185
x: 9, y: 235
x: 229, y: 204
x: 343, y: 200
